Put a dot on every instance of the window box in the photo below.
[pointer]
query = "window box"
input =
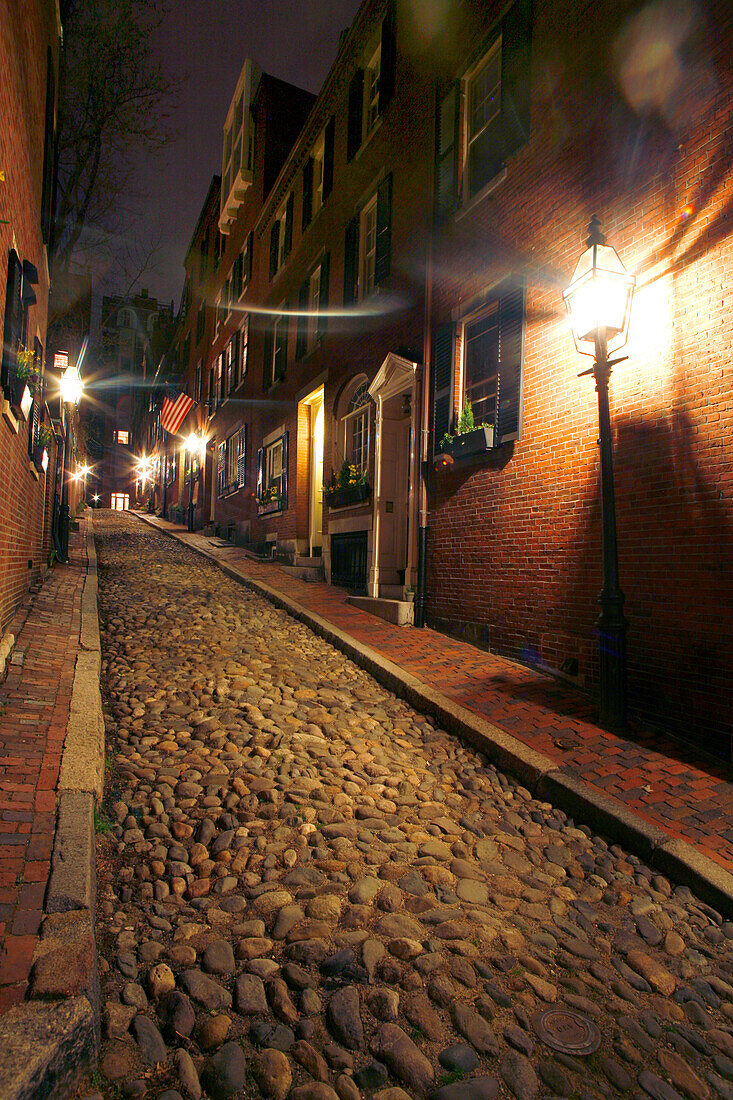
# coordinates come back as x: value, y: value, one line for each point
x: 21, y: 398
x: 342, y: 498
x: 472, y: 443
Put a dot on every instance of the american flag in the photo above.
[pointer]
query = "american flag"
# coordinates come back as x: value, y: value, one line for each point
x: 174, y: 411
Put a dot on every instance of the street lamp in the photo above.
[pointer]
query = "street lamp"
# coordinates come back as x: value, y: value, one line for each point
x: 71, y: 389
x: 196, y: 446
x: 598, y: 301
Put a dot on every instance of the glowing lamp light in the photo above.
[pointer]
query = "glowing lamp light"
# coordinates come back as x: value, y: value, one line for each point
x: 72, y: 386
x: 598, y: 299
x: 195, y: 444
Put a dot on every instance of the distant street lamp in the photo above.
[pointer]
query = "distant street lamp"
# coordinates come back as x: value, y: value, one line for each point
x: 71, y: 389
x: 196, y: 446
x: 598, y: 301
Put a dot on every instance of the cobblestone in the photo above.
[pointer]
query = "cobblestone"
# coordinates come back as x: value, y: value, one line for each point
x: 280, y: 820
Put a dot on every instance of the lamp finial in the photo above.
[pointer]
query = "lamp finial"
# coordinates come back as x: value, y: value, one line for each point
x: 594, y: 232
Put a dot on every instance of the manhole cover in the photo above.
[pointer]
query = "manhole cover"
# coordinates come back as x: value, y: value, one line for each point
x: 567, y: 1031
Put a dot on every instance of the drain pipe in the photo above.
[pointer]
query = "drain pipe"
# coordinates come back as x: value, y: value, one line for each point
x: 422, y: 533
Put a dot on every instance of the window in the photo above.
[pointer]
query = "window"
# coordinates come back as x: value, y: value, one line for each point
x: 218, y: 381
x: 212, y: 389
x: 492, y: 345
x: 14, y: 320
x: 122, y: 437
x: 371, y: 87
x: 356, y: 428
x: 371, y: 92
x: 276, y: 352
x: 367, y: 249
x: 272, y: 474
x: 229, y: 357
x: 281, y: 235
x: 318, y: 174
x: 312, y: 302
x: 200, y: 323
x: 243, y: 350
x: 474, y: 142
x: 120, y: 502
x: 232, y: 462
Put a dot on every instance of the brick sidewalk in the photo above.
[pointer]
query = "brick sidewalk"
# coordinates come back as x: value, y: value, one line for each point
x: 35, y: 700
x: 662, y: 781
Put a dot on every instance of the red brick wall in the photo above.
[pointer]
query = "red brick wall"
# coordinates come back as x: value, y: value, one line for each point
x: 514, y: 541
x: 26, y: 32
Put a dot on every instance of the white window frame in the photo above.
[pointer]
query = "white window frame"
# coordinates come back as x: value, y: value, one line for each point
x: 357, y: 420
x: 319, y: 156
x: 243, y: 350
x: 119, y: 433
x: 314, y: 301
x: 272, y: 461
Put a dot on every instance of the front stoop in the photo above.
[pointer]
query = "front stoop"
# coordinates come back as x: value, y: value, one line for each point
x: 399, y: 612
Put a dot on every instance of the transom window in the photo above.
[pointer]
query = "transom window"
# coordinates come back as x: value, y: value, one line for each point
x: 481, y: 365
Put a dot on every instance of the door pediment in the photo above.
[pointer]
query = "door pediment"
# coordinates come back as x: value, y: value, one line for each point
x: 395, y: 375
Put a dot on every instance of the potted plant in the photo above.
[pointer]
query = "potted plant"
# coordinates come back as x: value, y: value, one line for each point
x: 23, y: 382
x: 271, y: 499
x: 349, y: 486
x: 43, y: 444
x: 470, y: 438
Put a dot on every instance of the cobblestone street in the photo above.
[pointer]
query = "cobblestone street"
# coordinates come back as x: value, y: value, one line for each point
x: 306, y: 889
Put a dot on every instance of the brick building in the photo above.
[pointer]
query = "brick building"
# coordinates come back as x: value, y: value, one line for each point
x: 29, y: 65
x: 409, y: 254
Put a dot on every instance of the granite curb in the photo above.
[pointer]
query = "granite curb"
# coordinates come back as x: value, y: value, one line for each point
x: 54, y: 1036
x: 540, y: 774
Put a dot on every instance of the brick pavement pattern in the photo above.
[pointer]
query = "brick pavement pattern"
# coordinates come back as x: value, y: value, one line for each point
x: 664, y: 782
x: 35, y: 701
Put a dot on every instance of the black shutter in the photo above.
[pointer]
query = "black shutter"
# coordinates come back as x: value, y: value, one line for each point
x: 511, y: 358
x: 387, y: 59
x: 383, y: 244
x: 516, y: 44
x: 446, y: 152
x: 48, y: 151
x: 351, y: 260
x: 328, y: 146
x: 242, y: 456
x: 234, y: 368
x: 444, y: 350
x: 356, y: 108
x: 307, y: 193
x: 288, y: 242
x: 274, y: 247
x: 301, y: 339
x: 284, y: 475
x: 248, y: 258
x: 267, y: 358
x: 323, y: 295
x: 13, y: 322
x: 260, y: 472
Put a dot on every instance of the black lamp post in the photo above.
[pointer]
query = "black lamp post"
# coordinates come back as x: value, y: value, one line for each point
x: 599, y: 303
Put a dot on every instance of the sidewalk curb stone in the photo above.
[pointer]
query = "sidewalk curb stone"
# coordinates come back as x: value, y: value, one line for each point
x: 46, y: 1043
x: 541, y: 775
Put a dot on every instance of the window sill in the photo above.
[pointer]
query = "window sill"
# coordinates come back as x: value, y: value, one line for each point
x: 488, y: 188
x: 9, y: 416
x: 366, y: 142
x: 34, y: 472
x: 270, y: 509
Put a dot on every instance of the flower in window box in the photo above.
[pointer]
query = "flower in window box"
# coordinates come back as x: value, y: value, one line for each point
x: 349, y: 486
x: 470, y: 438
x: 271, y: 495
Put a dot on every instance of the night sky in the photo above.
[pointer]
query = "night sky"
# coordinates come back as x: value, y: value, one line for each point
x: 202, y: 45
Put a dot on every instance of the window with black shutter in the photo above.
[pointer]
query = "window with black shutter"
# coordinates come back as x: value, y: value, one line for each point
x: 491, y: 367
x: 383, y: 253
x: 247, y: 266
x: 307, y: 212
x: 221, y: 468
x: 13, y: 321
x: 355, y: 111
x: 243, y: 349
x: 242, y: 456
x: 328, y: 147
x: 446, y: 151
x: 444, y: 346
x: 280, y: 349
x: 497, y: 95
x: 267, y: 359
